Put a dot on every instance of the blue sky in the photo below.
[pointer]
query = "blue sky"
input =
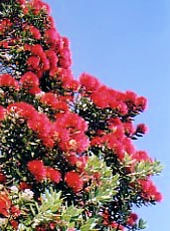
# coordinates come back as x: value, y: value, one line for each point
x: 126, y: 44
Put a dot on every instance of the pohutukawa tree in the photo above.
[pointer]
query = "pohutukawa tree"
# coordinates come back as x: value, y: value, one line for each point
x: 67, y: 161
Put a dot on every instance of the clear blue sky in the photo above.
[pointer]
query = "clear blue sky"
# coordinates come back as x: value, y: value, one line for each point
x: 126, y: 44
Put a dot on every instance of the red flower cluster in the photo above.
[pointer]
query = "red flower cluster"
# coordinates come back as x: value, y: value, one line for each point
x: 43, y: 127
x: 23, y: 109
x: 2, y: 113
x: 53, y: 60
x: 54, y: 102
x: 141, y: 129
x: 52, y: 36
x: 53, y: 174
x: 131, y: 220
x: 8, y: 81
x: 104, y: 97
x: 116, y: 140
x: 21, y: 2
x: 8, y: 210
x: 66, y: 78
x: 56, y: 57
x: 64, y: 53
x: 76, y: 160
x: 38, y: 122
x: 149, y: 190
x: 35, y: 33
x: 74, y: 181
x: 89, y: 82
x: 56, y: 60
x: 33, y: 62
x: 37, y: 168
x: 141, y: 156
x: 41, y: 172
x: 2, y: 178
x: 38, y: 52
x: 4, y: 44
x: 68, y: 130
x: 5, y: 24
x: 5, y: 204
x: 38, y: 5
x: 30, y: 82
x: 70, y: 133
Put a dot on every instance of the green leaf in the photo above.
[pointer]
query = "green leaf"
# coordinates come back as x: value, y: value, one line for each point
x: 51, y: 201
x: 108, y: 181
x: 89, y: 225
x: 71, y: 212
x: 142, y: 224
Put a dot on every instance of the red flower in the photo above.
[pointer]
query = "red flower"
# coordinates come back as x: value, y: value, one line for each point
x: 37, y: 50
x: 21, y: 2
x: 8, y: 81
x: 141, y: 103
x: 51, y: 55
x: 23, y: 185
x: 50, y: 20
x: 2, y: 112
x: 96, y: 141
x: 53, y: 175
x: 61, y: 106
x: 25, y: 110
x: 128, y: 128
x: 27, y: 47
x: 141, y: 156
x: 2, y: 178
x: 141, y: 128
x: 5, y: 204
x: 71, y: 132
x: 131, y: 97
x: 50, y: 99
x: 25, y: 10
x: 117, y: 226
x: 31, y: 82
x: 65, y: 58
x: 37, y: 168
x: 72, y: 122
x: 4, y: 25
x: 14, y: 224
x: 52, y: 36
x: 35, y: 32
x: 78, y: 161
x: 64, y: 53
x: 74, y: 181
x: 42, y: 125
x: 70, y: 84
x: 101, y: 97
x: 33, y: 62
x: 128, y: 146
x: 120, y: 107
x: 38, y: 5
x: 4, y: 44
x: 15, y: 211
x: 89, y: 82
x: 131, y: 220
x: 149, y: 190
x: 79, y: 142
x: 115, y: 124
